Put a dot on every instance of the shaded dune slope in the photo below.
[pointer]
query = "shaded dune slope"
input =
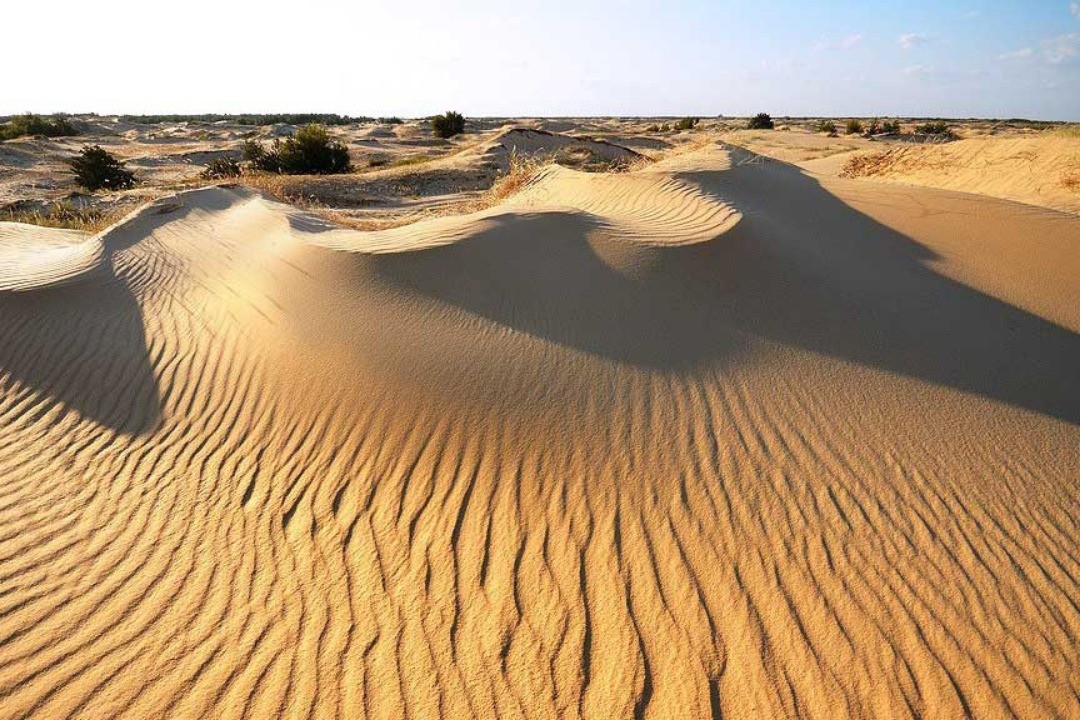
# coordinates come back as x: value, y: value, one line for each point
x: 704, y: 440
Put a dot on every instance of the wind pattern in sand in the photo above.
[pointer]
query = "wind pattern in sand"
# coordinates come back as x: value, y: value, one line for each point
x: 705, y: 440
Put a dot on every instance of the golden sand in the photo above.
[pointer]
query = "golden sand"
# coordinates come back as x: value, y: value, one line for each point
x: 709, y: 439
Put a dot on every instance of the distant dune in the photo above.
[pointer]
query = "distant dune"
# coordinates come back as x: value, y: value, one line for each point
x: 711, y: 438
x: 1040, y: 170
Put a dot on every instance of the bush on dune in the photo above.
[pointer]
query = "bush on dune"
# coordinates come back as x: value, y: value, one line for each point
x: 761, y: 121
x: 890, y: 126
x: 853, y: 127
x: 934, y: 127
x: 97, y: 169
x: 36, y: 125
x: 311, y: 151
x: 825, y: 126
x: 448, y: 125
x: 222, y: 167
x: 687, y: 123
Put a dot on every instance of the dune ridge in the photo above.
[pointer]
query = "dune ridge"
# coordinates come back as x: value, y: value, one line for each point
x: 33, y: 257
x: 708, y: 439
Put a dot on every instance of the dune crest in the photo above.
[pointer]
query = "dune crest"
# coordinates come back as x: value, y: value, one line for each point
x: 33, y: 257
x: 701, y: 440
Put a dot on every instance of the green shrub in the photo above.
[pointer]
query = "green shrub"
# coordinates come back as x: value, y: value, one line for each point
x: 222, y: 167
x: 687, y: 123
x: 35, y: 125
x: 310, y: 151
x: 95, y: 169
x: 253, y: 151
x: 391, y: 121
x: 825, y: 126
x: 934, y: 127
x: 853, y: 127
x: 761, y: 121
x: 890, y: 126
x: 873, y: 128
x: 448, y: 125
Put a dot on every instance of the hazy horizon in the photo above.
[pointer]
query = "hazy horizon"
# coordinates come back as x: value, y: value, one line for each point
x: 629, y: 59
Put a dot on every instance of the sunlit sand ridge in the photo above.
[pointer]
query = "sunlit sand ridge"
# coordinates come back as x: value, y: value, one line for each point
x: 709, y: 439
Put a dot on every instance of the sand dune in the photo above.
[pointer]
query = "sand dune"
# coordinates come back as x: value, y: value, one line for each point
x: 33, y: 257
x: 708, y: 439
x: 1041, y: 170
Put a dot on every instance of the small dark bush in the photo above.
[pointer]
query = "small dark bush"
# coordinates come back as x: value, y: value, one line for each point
x: 310, y: 151
x: 448, y: 125
x: 934, y: 127
x: 222, y: 167
x: 873, y: 128
x: 687, y: 123
x: 825, y: 126
x: 253, y: 151
x: 35, y: 125
x: 890, y: 126
x: 391, y: 121
x: 853, y: 127
x: 761, y: 121
x: 95, y: 169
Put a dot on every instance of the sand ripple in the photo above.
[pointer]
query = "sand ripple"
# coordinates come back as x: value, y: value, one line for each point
x: 700, y: 442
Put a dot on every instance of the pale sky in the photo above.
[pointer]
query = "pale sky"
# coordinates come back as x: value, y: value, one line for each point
x: 498, y: 58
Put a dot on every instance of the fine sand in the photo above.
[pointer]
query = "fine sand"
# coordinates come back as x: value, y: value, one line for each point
x: 1040, y: 170
x: 715, y: 437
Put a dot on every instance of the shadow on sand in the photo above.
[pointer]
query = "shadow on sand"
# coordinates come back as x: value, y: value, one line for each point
x: 801, y: 268
x: 82, y: 345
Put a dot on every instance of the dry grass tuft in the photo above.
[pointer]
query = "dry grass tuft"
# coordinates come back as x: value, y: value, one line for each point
x: 66, y: 215
x: 863, y: 165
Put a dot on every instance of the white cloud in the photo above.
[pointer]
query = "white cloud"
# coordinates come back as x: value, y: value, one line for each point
x: 911, y: 40
x: 1074, y: 8
x: 1061, y: 48
x: 1017, y: 54
x: 850, y: 41
x: 916, y: 70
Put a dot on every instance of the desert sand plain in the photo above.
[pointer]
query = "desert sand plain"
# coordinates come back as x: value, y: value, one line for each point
x: 717, y: 423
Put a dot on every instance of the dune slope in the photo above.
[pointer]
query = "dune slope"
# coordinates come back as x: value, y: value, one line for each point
x: 704, y: 440
x: 1042, y: 170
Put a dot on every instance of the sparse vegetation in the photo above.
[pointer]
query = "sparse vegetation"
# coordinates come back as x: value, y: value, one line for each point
x: 65, y: 215
x: 687, y: 123
x: 825, y: 126
x: 872, y: 129
x: 222, y: 167
x: 448, y: 125
x: 311, y: 151
x: 890, y: 126
x: 391, y: 121
x: 36, y: 125
x: 853, y: 127
x: 761, y: 121
x: 933, y: 127
x: 97, y: 169
x: 249, y: 119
